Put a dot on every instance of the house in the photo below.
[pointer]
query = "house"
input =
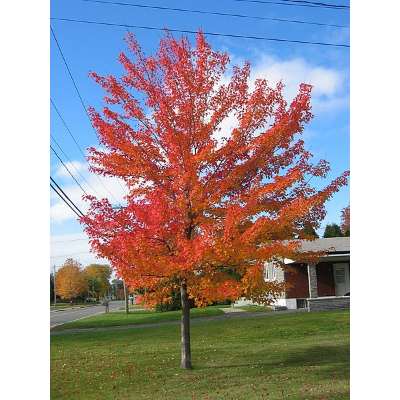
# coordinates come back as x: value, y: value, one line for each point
x: 321, y: 286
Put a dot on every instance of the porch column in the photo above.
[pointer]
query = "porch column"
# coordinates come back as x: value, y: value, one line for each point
x: 312, y: 280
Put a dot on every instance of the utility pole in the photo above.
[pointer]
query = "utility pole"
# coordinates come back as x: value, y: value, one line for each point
x: 54, y: 284
x: 126, y: 298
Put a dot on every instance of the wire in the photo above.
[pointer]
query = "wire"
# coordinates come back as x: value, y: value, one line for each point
x: 72, y: 176
x: 70, y: 73
x: 77, y: 144
x: 66, y: 196
x: 317, y: 3
x: 66, y: 127
x: 63, y: 199
x: 184, y: 10
x: 70, y: 240
x: 295, y: 3
x: 71, y: 255
x: 81, y: 100
x: 72, y: 164
x: 206, y: 33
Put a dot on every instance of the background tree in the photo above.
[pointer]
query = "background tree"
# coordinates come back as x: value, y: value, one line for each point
x: 345, y: 221
x: 202, y: 201
x: 70, y: 280
x: 98, y: 279
x: 332, y: 230
x: 117, y: 289
x: 308, y: 232
x: 51, y: 287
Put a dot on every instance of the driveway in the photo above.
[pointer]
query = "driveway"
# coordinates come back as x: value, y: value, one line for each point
x: 58, y: 317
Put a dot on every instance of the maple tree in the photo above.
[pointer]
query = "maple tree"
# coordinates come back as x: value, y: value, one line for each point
x: 345, y: 221
x: 205, y: 208
x: 70, y: 280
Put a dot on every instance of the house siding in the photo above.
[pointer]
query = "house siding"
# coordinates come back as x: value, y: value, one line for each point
x: 296, y: 278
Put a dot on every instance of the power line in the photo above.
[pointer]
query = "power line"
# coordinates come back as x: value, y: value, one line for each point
x: 317, y: 3
x: 80, y: 98
x: 66, y: 196
x: 77, y: 144
x: 294, y: 3
x: 72, y: 164
x: 68, y: 240
x: 71, y: 255
x: 62, y: 198
x: 72, y: 176
x: 66, y: 127
x: 206, y: 33
x: 185, y: 10
x: 69, y: 72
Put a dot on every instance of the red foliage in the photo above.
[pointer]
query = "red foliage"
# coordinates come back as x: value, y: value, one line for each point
x: 345, y: 220
x: 205, y: 211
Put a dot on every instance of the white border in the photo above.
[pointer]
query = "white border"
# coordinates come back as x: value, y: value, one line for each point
x: 375, y: 177
x: 24, y: 166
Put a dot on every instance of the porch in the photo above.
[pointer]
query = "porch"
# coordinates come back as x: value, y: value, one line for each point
x: 321, y: 286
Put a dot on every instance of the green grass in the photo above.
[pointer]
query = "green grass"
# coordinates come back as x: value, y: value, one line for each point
x: 281, y: 356
x: 136, y: 317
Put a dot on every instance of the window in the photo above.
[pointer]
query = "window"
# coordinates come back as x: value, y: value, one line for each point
x: 270, y: 272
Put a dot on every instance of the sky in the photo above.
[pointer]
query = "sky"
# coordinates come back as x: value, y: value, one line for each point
x: 89, y: 47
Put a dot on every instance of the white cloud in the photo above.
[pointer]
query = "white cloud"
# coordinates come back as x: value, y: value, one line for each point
x: 328, y: 83
x: 94, y: 184
x: 73, y: 166
x: 328, y: 92
x: 74, y: 245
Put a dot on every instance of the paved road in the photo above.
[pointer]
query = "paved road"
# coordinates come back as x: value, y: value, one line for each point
x: 61, y: 317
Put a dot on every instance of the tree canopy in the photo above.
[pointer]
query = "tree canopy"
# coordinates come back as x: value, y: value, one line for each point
x: 70, y: 280
x: 98, y: 279
x: 207, y: 206
x: 332, y: 230
x: 345, y: 221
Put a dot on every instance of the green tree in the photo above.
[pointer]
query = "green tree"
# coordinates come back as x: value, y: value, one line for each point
x: 98, y: 279
x: 308, y: 232
x: 332, y: 230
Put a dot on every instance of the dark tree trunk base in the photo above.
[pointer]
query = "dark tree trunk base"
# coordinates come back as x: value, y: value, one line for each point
x: 186, y: 357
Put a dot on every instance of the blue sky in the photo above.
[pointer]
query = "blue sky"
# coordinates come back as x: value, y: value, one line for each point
x: 96, y: 48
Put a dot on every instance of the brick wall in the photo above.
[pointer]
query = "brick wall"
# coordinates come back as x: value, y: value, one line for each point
x: 296, y: 278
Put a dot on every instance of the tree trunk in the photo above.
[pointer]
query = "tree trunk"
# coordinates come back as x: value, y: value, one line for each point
x: 186, y: 356
x: 126, y: 298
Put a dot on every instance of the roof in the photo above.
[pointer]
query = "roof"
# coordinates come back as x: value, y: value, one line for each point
x: 330, y: 245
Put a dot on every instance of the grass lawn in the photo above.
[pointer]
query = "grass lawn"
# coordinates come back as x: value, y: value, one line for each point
x: 120, y: 318
x: 281, y: 356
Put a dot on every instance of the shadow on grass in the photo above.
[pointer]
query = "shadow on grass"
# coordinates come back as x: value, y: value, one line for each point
x: 334, y: 358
